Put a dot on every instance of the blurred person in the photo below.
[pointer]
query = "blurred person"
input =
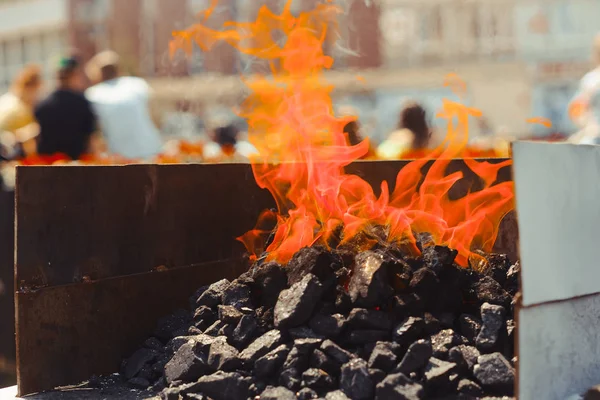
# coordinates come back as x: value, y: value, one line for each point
x: 584, y: 108
x: 413, y: 133
x: 352, y: 130
x: 226, y: 146
x: 121, y: 104
x: 65, y: 117
x: 18, y: 126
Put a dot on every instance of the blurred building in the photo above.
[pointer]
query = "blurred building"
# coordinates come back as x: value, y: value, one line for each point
x: 520, y: 58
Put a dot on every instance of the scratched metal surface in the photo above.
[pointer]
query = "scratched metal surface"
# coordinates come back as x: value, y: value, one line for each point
x: 559, y: 349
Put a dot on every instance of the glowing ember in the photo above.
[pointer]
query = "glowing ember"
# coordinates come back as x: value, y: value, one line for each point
x: 303, y: 150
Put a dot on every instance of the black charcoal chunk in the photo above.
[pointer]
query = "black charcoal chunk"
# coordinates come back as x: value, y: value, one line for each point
x: 326, y: 325
x: 377, y: 375
x: 493, y: 321
x: 261, y: 346
x: 443, y: 341
x: 369, y: 284
x: 264, y: 319
x: 136, y: 362
x: 495, y: 373
x: 205, y: 313
x: 313, y: 260
x: 222, y: 356
x: 438, y: 373
x: 138, y: 383
x: 304, y: 332
x: 361, y: 318
x: 425, y: 282
x: 399, y: 387
x: 296, y: 304
x: 409, y: 330
x: 299, y: 356
x: 307, y: 345
x: 383, y: 357
x: 194, y: 298
x: 488, y: 290
x: 236, y: 295
x: 499, y: 265
x: 469, y: 388
x: 271, y: 279
x: 318, y: 380
x: 416, y: 357
x: 211, y: 297
x: 407, y: 304
x: 320, y: 360
x: 230, y: 314
x: 244, y: 331
x: 355, y: 380
x: 343, y: 301
x: 438, y: 257
x: 196, y: 396
x: 469, y: 326
x: 215, y: 328
x: 174, y: 344
x: 187, y: 364
x: 271, y: 362
x: 224, y: 386
x: 179, y: 391
x: 307, y: 394
x: 337, y: 395
x: 202, y: 341
x: 278, y: 393
x: 226, y: 330
x: 290, y: 378
x: 464, y: 356
x: 192, y: 330
x: 512, y: 279
x: 364, y: 336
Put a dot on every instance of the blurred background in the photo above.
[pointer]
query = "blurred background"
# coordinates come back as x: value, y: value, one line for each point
x: 519, y: 58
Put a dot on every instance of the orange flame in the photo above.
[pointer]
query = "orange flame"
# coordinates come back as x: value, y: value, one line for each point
x: 540, y: 121
x: 303, y: 150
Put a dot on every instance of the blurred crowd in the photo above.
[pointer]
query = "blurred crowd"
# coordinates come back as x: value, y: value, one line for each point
x: 97, y: 115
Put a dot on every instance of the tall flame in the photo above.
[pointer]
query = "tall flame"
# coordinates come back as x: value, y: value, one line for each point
x: 303, y: 150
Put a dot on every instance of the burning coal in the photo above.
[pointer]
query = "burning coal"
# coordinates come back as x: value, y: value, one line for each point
x: 303, y: 152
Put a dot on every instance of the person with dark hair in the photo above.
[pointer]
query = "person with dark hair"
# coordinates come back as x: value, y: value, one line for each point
x: 122, y: 106
x: 65, y: 117
x: 227, y: 146
x: 413, y: 133
x: 354, y: 137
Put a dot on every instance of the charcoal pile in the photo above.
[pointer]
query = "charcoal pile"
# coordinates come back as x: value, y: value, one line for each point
x: 339, y: 325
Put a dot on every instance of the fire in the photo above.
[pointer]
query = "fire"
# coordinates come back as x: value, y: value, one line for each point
x: 303, y: 151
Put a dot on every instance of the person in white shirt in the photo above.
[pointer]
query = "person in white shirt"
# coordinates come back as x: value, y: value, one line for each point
x: 121, y: 106
x: 584, y: 109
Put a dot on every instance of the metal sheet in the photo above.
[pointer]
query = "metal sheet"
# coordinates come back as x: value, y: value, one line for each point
x: 559, y: 348
x: 558, y: 191
x: 110, y: 221
x: 65, y: 334
x: 7, y: 303
x: 116, y: 220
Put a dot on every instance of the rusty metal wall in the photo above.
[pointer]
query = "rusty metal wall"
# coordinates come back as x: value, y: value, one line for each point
x: 7, y: 304
x: 114, y: 225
